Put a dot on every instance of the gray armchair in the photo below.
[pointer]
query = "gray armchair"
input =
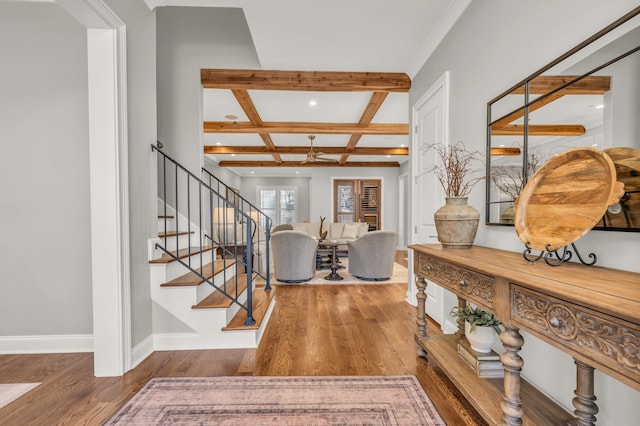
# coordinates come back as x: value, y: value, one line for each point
x: 371, y: 257
x: 294, y: 256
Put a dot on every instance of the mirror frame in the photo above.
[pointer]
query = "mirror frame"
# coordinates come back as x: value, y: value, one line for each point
x: 527, y: 102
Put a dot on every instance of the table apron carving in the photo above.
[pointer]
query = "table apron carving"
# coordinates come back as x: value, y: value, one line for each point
x: 612, y: 343
x: 587, y: 312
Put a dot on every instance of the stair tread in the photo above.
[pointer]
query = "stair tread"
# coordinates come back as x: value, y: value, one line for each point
x: 261, y: 301
x: 208, y: 271
x: 218, y: 300
x: 181, y: 254
x: 173, y: 233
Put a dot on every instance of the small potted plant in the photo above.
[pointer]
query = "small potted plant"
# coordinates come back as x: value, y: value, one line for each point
x: 456, y: 222
x: 481, y: 328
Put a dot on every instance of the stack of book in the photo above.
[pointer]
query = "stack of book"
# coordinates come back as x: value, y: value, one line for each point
x: 485, y: 365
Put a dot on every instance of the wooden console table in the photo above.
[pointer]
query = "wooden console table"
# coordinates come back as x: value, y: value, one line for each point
x: 588, y: 312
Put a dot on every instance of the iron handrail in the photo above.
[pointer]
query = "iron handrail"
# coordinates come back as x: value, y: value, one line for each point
x: 239, y: 218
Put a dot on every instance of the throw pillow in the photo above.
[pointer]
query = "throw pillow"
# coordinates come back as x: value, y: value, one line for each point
x: 363, y: 228
x: 350, y: 230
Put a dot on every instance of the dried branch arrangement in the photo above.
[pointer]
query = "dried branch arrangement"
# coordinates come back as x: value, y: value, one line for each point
x: 510, y: 179
x: 456, y: 169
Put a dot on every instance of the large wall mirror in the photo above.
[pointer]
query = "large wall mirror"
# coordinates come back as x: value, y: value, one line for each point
x: 588, y: 97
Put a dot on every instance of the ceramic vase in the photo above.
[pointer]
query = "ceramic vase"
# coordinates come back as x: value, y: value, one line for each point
x: 481, y: 339
x: 456, y: 223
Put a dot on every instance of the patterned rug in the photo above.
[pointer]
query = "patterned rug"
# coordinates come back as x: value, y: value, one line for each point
x: 11, y: 391
x: 244, y: 400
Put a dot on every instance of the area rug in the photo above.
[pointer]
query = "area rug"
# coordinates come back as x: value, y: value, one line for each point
x: 245, y: 400
x: 11, y: 391
x: 400, y: 275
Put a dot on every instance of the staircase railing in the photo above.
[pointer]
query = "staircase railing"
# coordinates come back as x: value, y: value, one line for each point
x: 216, y: 224
x: 261, y: 222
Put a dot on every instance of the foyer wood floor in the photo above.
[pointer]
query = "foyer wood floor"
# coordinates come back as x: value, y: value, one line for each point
x: 314, y: 330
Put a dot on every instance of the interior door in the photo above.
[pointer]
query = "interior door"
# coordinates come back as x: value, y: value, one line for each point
x: 430, y: 120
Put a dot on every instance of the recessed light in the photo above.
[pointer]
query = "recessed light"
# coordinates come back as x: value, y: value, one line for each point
x: 388, y: 156
x: 595, y: 144
x: 402, y: 145
x: 218, y: 143
x: 599, y: 106
x: 233, y: 155
x: 231, y: 117
x: 297, y: 173
x: 312, y: 102
x: 252, y: 172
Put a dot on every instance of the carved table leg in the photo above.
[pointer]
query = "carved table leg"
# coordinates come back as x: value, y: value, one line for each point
x: 421, y: 284
x: 584, y: 402
x: 462, y: 303
x: 511, y: 403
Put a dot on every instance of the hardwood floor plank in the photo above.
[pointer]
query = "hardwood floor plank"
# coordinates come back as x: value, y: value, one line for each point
x: 314, y: 330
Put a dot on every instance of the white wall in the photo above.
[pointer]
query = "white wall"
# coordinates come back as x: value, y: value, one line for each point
x: 494, y: 45
x: 45, y: 255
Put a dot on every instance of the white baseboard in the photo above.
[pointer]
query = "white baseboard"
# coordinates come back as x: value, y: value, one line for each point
x: 141, y: 351
x: 46, y: 344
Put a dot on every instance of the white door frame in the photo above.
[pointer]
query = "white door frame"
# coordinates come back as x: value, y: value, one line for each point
x: 441, y: 84
x: 108, y: 175
x: 402, y: 209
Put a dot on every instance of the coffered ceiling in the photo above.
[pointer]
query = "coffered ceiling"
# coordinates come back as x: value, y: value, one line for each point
x: 256, y: 118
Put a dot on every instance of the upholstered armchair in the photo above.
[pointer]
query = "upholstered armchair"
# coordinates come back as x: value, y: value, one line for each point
x: 371, y: 257
x: 294, y: 256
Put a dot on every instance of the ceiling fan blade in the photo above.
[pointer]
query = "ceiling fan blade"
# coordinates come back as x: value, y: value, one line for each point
x: 325, y: 159
x: 306, y: 160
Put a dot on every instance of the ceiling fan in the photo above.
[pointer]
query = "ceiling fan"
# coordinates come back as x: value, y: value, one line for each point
x: 313, y: 156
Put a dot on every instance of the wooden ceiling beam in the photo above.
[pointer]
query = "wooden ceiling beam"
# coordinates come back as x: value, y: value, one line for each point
x: 310, y: 128
x: 519, y: 113
x: 317, y: 81
x: 302, y: 150
x: 591, y: 85
x: 309, y: 164
x: 243, y: 98
x: 375, y: 102
x: 541, y: 130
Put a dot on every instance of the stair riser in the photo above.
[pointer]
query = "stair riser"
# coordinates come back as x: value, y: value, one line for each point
x: 170, y: 225
x: 219, y: 279
x: 163, y: 272
x: 182, y: 241
x: 176, y: 269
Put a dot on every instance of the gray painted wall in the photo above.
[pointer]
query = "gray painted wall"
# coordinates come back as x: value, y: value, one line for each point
x: 45, y: 255
x: 141, y: 109
x: 189, y: 39
x: 494, y: 45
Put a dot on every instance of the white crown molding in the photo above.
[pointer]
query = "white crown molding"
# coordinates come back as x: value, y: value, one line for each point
x: 91, y: 13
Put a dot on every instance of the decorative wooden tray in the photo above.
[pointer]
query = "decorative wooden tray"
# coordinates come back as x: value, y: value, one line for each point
x: 566, y: 198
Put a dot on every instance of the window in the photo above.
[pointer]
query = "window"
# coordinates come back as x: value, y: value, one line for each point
x: 279, y: 203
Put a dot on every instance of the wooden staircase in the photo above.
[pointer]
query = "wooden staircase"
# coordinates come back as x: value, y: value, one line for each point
x: 216, y: 321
